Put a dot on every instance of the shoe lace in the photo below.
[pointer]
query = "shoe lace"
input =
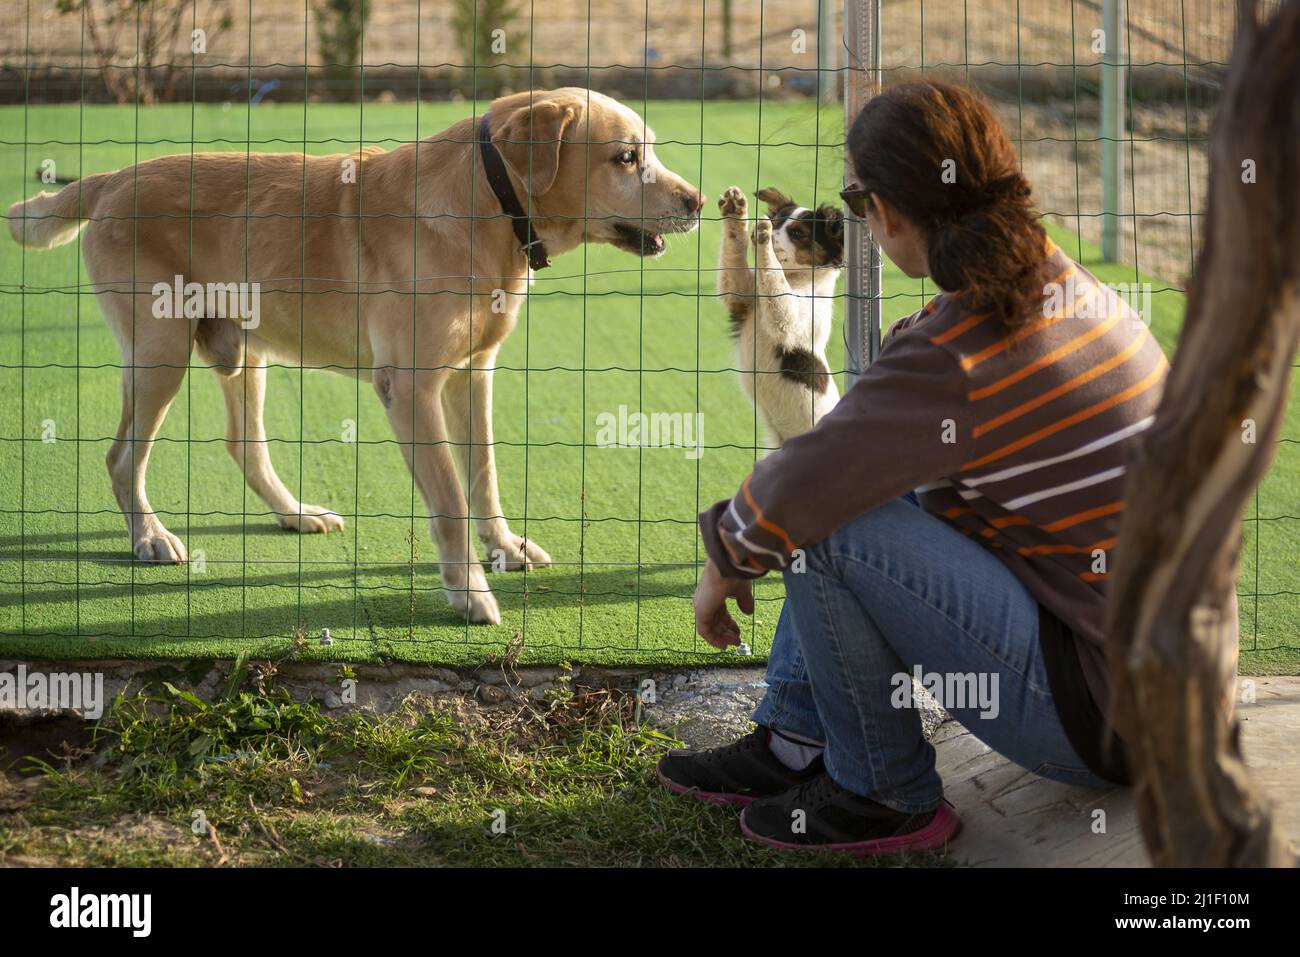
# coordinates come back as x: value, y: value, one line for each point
x: 815, y: 792
x: 747, y: 743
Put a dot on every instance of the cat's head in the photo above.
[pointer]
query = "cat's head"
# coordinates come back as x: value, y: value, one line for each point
x: 804, y: 237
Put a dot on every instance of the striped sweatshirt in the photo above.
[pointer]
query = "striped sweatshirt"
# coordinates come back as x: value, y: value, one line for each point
x: 1018, y: 439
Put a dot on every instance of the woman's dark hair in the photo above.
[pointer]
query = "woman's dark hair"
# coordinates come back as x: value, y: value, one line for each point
x: 939, y: 154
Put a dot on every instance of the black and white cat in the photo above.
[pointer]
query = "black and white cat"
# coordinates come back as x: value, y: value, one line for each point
x: 781, y: 309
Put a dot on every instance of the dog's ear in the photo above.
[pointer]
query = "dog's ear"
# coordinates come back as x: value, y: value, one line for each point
x: 529, y: 140
x: 774, y: 198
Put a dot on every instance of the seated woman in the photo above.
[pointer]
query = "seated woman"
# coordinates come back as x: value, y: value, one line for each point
x: 955, y: 514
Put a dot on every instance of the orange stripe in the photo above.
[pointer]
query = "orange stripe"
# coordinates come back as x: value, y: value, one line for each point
x: 1068, y: 549
x: 1080, y: 517
x: 1042, y: 362
x: 731, y: 552
x: 1082, y: 378
x: 1011, y: 520
x: 970, y: 322
x: 1006, y: 342
x: 1094, y: 576
x: 954, y: 512
x: 1004, y: 522
x: 735, y: 559
x: 762, y: 520
x: 1151, y: 379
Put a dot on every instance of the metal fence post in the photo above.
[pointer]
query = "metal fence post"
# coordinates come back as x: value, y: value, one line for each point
x: 863, y: 282
x: 826, y: 54
x: 1112, y: 127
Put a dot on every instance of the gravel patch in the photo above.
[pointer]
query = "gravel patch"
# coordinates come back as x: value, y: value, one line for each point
x: 705, y: 707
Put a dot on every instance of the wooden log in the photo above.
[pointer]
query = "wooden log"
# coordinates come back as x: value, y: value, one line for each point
x: 1172, y: 630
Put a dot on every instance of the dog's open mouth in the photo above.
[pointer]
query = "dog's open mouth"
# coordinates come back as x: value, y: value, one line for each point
x: 631, y: 239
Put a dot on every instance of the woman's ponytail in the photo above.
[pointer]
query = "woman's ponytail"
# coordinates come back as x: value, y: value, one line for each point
x: 941, y: 157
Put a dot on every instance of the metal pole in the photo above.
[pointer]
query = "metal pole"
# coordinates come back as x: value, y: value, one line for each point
x: 1112, y: 127
x: 726, y: 30
x: 826, y: 86
x: 863, y: 283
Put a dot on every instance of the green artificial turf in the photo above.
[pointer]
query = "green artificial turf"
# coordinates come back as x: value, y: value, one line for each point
x: 620, y: 522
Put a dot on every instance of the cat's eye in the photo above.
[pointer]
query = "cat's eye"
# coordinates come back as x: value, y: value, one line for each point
x: 627, y: 158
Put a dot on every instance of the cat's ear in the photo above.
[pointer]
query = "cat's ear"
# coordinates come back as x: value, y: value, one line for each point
x: 832, y: 220
x: 774, y: 198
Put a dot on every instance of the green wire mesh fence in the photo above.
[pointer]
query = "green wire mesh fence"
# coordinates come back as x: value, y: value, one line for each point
x: 617, y: 415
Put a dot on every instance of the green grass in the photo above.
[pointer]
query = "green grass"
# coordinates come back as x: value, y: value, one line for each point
x: 619, y: 522
x: 567, y: 781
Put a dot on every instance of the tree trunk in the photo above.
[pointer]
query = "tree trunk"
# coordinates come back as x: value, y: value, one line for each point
x: 1172, y: 643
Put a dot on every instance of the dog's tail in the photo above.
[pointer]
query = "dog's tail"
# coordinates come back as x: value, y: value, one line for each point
x: 52, y: 219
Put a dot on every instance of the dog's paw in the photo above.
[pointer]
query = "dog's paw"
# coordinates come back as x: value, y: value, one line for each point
x: 733, y: 203
x: 763, y: 231
x: 467, y: 592
x: 160, y: 546
x: 515, y: 554
x: 313, y: 520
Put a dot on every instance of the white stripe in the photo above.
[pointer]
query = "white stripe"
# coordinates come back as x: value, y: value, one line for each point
x: 1100, y: 477
x: 931, y: 486
x: 1093, y: 446
x: 781, y: 559
x: 740, y: 536
x: 967, y: 494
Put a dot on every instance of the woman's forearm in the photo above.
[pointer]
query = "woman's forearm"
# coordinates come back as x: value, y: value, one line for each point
x: 904, y: 423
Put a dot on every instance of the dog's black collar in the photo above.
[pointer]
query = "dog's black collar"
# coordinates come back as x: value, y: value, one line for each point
x: 499, y: 179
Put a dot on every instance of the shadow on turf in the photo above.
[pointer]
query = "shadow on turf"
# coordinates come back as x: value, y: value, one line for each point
x: 20, y: 547
x: 380, y: 612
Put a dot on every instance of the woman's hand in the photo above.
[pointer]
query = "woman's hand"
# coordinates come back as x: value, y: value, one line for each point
x: 713, y: 622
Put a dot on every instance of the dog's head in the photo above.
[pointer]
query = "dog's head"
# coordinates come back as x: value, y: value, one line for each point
x: 803, y: 237
x: 588, y: 164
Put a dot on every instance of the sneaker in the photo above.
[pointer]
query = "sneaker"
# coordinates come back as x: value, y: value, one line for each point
x: 736, y: 774
x: 834, y: 819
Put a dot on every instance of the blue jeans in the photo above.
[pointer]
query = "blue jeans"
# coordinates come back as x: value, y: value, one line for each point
x: 895, y: 589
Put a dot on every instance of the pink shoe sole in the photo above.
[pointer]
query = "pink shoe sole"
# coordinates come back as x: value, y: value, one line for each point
x: 933, y: 836
x: 721, y: 798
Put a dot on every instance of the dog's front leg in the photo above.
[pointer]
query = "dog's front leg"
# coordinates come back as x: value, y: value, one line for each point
x: 735, y: 280
x: 414, y: 404
x: 770, y: 283
x: 467, y: 399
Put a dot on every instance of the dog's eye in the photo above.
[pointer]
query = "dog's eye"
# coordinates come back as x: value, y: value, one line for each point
x: 627, y: 157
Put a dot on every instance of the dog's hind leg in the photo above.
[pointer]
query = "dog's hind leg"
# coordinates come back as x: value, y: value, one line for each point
x: 469, y: 392
x: 413, y: 400
x: 152, y: 371
x: 244, y: 387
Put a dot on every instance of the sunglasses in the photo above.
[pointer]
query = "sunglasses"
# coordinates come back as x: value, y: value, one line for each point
x: 855, y: 198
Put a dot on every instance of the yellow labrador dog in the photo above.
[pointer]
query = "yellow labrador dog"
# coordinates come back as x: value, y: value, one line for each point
x: 404, y: 267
